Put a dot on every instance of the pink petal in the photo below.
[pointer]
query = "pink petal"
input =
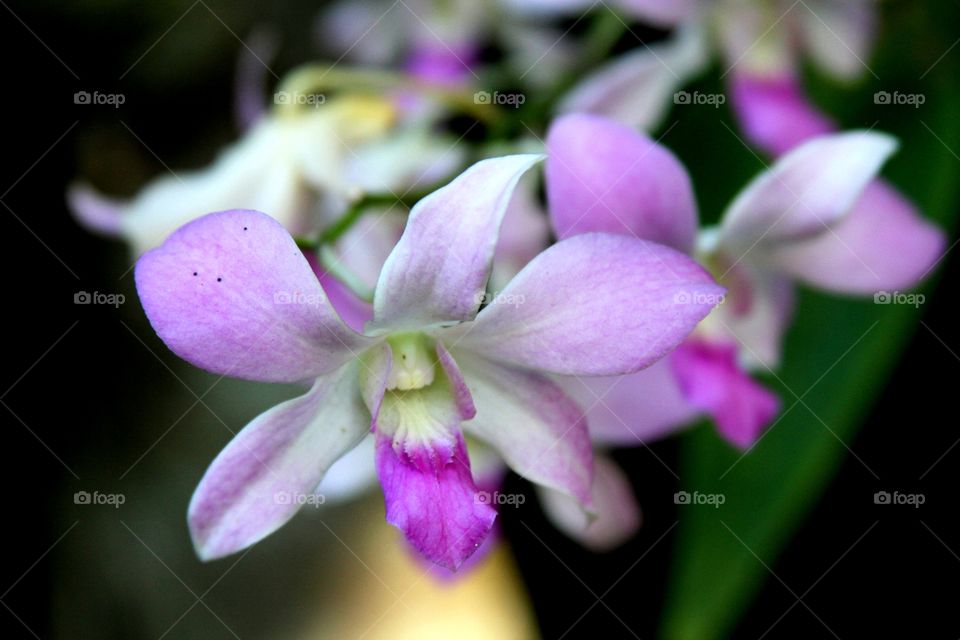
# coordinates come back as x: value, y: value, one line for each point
x: 757, y: 313
x: 434, y: 502
x: 883, y: 244
x: 805, y: 191
x: 637, y: 88
x: 525, y: 232
x: 595, y: 304
x: 637, y: 408
x: 529, y: 421
x: 438, y: 271
x: 711, y: 380
x: 838, y: 35
x: 262, y: 477
x: 232, y: 293
x: 604, y: 176
x: 774, y: 112
x: 617, y: 514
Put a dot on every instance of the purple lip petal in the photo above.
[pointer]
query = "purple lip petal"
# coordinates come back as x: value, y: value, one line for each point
x: 712, y: 380
x: 434, y: 501
x: 774, y: 113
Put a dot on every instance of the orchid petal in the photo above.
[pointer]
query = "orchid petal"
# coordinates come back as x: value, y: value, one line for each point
x: 434, y: 503
x: 438, y: 271
x: 712, y: 380
x: 774, y: 112
x: 883, y: 244
x: 529, y: 420
x: 258, y: 481
x: 233, y: 294
x: 663, y: 13
x: 595, y: 304
x: 637, y: 88
x: 617, y: 514
x: 525, y: 232
x: 805, y: 191
x: 757, y: 313
x: 637, y: 408
x: 258, y: 172
x: 604, y: 176
x: 352, y: 475
x: 96, y: 212
x: 838, y: 35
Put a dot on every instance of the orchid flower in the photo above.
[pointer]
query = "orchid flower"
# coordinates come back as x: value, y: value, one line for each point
x: 276, y: 167
x: 794, y: 223
x: 761, y: 45
x: 233, y: 294
x: 303, y: 165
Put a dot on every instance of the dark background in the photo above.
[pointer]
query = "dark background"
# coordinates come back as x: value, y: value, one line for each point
x: 80, y: 386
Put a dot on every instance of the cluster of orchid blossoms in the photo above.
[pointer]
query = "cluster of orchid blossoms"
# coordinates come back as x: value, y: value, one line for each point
x: 449, y: 344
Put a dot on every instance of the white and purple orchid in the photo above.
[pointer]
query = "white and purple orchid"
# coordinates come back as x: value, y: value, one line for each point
x: 815, y: 217
x: 233, y: 294
x: 304, y: 165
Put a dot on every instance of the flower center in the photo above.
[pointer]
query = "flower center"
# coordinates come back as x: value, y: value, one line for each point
x: 414, y: 363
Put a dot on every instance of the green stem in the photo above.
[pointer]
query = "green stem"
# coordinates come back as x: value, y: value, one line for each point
x: 333, y: 265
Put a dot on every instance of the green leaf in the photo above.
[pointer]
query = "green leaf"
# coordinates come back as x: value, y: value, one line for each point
x: 838, y: 356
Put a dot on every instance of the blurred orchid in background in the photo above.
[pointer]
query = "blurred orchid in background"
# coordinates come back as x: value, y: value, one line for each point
x: 787, y: 225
